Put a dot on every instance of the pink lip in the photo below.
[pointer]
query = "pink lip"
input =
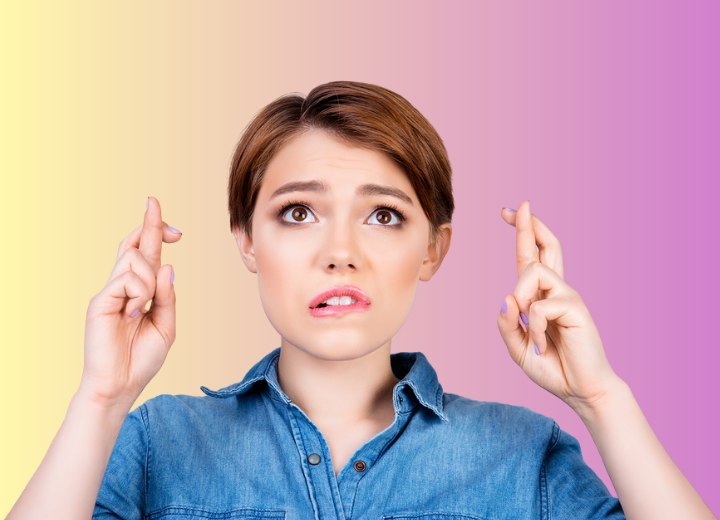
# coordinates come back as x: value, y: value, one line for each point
x: 363, y: 301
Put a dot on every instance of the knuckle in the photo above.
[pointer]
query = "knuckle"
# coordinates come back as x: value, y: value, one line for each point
x: 125, y: 252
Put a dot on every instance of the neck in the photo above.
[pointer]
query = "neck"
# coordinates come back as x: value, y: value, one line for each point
x: 335, y: 392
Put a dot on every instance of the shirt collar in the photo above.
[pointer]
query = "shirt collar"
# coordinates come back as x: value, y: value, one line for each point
x: 413, y: 369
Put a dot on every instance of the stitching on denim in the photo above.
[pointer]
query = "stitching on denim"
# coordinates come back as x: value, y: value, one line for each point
x: 412, y: 516
x: 544, y: 493
x: 439, y: 405
x: 146, y: 425
x: 235, y: 513
x: 302, y: 448
x: 425, y: 403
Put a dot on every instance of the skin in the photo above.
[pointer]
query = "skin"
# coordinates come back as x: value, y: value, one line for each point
x: 337, y: 369
x: 572, y: 365
x: 122, y: 354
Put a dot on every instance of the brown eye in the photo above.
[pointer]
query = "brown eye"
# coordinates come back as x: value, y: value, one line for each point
x: 298, y: 214
x: 384, y: 216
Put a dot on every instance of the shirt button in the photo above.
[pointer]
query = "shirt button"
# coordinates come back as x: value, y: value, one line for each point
x: 314, y: 459
x: 359, y: 466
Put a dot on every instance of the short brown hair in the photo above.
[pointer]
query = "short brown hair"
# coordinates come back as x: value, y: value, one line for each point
x: 360, y: 114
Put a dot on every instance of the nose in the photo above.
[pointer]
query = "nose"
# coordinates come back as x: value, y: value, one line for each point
x: 340, y: 249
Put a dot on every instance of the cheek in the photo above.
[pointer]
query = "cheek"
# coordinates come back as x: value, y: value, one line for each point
x: 398, y: 270
x: 279, y: 265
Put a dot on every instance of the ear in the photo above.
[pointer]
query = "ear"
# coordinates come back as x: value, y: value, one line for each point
x: 247, y: 251
x: 436, y: 251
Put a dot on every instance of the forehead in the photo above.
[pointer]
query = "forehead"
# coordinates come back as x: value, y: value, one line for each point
x: 316, y: 155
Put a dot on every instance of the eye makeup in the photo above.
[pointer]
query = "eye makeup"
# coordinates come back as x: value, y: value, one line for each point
x: 400, y: 215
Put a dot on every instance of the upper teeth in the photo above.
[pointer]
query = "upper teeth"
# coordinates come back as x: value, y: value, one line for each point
x: 340, y: 300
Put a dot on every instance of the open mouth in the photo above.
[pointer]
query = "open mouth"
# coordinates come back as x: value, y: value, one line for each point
x: 337, y: 301
x: 338, y: 305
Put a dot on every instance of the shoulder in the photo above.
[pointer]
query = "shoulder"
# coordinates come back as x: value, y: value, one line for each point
x: 496, y: 420
x: 181, y: 403
x: 180, y: 412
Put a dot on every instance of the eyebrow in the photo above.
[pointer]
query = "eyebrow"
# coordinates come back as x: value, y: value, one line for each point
x: 365, y: 189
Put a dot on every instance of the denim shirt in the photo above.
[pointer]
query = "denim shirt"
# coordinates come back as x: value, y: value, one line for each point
x: 248, y: 452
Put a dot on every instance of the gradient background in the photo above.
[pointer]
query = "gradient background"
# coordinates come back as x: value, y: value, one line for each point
x: 604, y: 115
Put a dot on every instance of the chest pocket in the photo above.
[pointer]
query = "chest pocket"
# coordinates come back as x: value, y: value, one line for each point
x: 187, y: 513
x: 432, y: 516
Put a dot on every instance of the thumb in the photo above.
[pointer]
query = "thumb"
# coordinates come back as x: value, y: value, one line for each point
x: 511, y: 331
x: 163, y: 306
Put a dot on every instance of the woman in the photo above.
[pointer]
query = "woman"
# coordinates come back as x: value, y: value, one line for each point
x: 340, y: 203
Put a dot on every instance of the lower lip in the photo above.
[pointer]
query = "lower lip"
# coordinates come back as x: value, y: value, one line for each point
x: 337, y: 310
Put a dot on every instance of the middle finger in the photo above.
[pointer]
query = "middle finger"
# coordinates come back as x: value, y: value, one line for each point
x: 151, y: 237
x: 134, y: 239
x: 550, y: 250
x: 525, y: 241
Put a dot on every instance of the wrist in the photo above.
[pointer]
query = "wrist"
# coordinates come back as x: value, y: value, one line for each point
x: 591, y: 410
x: 117, y: 405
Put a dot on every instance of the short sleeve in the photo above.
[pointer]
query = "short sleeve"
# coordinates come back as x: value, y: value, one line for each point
x: 123, y: 488
x: 570, y: 488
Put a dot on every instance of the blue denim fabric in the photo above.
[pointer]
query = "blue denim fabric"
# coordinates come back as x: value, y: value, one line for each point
x: 247, y: 451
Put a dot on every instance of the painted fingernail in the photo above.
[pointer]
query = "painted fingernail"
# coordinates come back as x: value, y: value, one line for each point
x: 510, y: 209
x: 503, y: 307
x: 134, y: 313
x: 175, y: 230
x: 524, y: 318
x: 536, y: 349
x: 172, y: 276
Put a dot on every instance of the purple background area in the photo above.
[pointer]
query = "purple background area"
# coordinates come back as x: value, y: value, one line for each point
x: 606, y: 117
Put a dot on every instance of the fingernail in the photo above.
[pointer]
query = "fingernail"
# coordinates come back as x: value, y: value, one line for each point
x: 503, y: 307
x: 175, y: 230
x: 147, y: 203
x: 524, y: 318
x: 172, y: 276
x: 134, y: 313
x: 510, y: 209
x: 536, y: 349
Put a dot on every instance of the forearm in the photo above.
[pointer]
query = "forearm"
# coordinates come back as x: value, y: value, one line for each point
x: 648, y: 483
x: 67, y: 482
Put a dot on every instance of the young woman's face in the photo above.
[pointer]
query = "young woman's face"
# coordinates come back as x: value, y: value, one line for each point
x: 306, y: 241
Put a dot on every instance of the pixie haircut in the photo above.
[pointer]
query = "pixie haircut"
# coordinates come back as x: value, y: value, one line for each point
x: 358, y: 114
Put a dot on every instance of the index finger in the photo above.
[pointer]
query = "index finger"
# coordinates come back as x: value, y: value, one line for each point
x: 525, y: 241
x: 152, y: 234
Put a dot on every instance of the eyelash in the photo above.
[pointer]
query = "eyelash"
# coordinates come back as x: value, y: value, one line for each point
x: 306, y: 205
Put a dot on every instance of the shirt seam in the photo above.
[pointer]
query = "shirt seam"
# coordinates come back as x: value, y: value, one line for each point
x: 146, y: 421
x: 544, y: 493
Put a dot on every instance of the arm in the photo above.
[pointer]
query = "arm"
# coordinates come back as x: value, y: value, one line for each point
x: 648, y: 483
x: 67, y: 482
x: 125, y: 346
x: 562, y: 351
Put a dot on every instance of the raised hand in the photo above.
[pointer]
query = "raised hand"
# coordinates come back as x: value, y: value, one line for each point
x: 125, y: 345
x: 570, y: 361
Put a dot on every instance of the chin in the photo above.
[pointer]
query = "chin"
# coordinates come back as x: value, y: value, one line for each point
x: 342, y: 348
